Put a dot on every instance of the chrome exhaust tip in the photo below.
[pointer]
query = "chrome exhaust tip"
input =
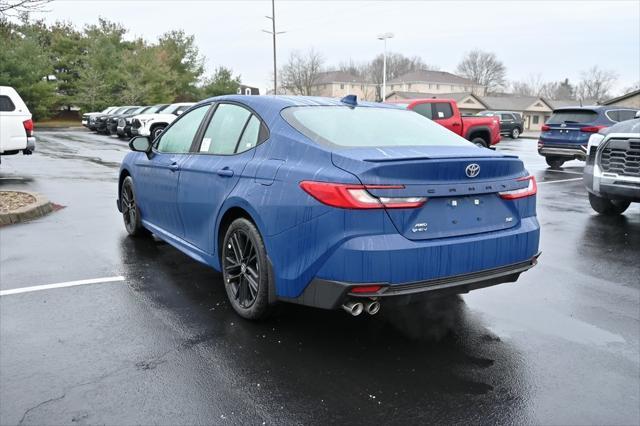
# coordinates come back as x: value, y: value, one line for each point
x: 353, y: 308
x: 373, y: 307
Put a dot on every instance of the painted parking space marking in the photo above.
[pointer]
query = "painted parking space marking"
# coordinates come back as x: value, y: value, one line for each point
x: 563, y: 171
x: 116, y: 279
x: 558, y: 181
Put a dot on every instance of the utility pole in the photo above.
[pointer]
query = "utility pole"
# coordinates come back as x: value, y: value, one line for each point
x: 273, y: 35
x: 384, y: 38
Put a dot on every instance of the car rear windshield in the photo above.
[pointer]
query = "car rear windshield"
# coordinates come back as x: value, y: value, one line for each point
x: 368, y: 127
x: 579, y: 116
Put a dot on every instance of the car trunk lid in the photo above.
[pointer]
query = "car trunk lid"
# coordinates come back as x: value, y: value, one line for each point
x: 459, y: 202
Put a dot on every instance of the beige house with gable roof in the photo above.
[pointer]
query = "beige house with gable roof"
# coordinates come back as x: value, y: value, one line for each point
x: 428, y: 81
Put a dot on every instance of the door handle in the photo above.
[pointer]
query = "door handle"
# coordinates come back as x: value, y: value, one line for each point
x: 456, y: 124
x: 174, y: 167
x: 226, y: 172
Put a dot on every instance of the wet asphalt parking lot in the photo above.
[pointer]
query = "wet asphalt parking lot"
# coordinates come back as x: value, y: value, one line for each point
x: 162, y: 346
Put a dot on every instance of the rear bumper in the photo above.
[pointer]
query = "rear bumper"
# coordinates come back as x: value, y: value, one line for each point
x: 328, y: 294
x: 31, y: 144
x: 579, y: 152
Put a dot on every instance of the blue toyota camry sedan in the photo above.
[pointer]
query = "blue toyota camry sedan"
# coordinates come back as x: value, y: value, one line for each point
x: 330, y: 203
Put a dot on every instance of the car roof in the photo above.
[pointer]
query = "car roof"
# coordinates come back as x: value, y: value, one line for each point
x: 289, y: 101
x: 269, y: 106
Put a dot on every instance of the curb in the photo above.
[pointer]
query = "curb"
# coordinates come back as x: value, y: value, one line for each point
x: 39, y: 208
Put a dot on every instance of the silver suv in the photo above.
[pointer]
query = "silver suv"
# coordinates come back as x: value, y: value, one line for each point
x: 612, y: 171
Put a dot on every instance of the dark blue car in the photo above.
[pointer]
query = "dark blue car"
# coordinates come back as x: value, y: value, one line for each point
x: 566, y: 133
x: 330, y: 203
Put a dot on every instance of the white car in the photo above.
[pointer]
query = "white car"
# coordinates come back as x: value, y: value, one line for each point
x: 16, y: 126
x: 88, y: 119
x: 153, y: 124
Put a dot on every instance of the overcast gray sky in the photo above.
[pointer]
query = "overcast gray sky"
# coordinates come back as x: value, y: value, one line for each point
x: 557, y: 39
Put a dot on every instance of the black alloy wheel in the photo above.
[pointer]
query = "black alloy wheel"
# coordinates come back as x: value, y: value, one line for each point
x: 130, y: 211
x: 244, y: 269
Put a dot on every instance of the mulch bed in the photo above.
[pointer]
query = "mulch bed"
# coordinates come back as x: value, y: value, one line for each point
x: 12, y: 200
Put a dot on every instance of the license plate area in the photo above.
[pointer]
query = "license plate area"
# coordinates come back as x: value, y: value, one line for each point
x: 455, y: 216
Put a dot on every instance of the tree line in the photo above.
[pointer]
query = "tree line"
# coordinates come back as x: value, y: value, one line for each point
x: 56, y: 67
x: 303, y: 69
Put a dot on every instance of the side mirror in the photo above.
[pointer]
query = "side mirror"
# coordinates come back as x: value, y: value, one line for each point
x: 637, y: 114
x: 140, y: 144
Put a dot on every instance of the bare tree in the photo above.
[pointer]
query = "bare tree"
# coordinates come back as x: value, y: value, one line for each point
x: 397, y: 65
x: 632, y: 88
x: 484, y: 68
x: 301, y: 72
x: 19, y: 7
x: 596, y: 84
x: 535, y: 85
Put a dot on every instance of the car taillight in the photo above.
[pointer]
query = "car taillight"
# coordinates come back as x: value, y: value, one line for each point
x: 530, y: 190
x: 592, y: 129
x: 545, y: 128
x: 28, y: 127
x: 348, y: 196
x: 365, y: 289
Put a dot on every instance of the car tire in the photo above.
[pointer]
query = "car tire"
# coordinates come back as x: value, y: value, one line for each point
x: 245, y: 270
x: 156, y: 131
x: 479, y: 142
x: 130, y: 210
x: 607, y: 207
x: 515, y: 133
x: 555, y: 162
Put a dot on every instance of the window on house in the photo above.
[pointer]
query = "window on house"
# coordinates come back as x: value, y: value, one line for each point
x: 536, y: 119
x: 409, y: 86
x: 342, y: 86
x: 437, y: 86
x: 247, y: 91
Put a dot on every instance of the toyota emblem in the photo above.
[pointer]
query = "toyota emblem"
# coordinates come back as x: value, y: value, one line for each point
x: 472, y: 170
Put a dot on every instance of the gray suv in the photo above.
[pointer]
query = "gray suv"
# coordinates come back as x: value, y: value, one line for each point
x: 612, y: 170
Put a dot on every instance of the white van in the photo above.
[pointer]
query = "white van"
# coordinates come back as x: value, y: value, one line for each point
x: 16, y: 126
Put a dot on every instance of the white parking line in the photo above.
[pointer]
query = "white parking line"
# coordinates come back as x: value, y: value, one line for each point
x: 119, y: 278
x: 558, y: 181
x: 563, y: 171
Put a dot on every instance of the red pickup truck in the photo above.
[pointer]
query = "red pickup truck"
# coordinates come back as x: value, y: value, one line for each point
x: 482, y: 131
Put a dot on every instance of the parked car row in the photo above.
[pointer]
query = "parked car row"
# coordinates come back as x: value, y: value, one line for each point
x: 132, y: 120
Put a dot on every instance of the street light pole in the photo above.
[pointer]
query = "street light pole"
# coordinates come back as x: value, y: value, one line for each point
x: 273, y: 35
x: 384, y: 38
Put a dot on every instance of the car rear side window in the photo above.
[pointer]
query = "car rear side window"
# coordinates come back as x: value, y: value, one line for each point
x: 225, y: 129
x: 618, y: 115
x: 179, y: 137
x: 578, y: 116
x: 250, y: 135
x: 368, y: 127
x: 424, y: 109
x: 6, y: 104
x: 442, y: 110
